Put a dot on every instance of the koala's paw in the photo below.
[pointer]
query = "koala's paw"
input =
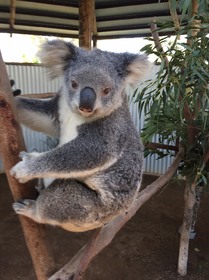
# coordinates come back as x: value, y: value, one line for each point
x: 21, y: 171
x: 39, y: 188
x: 27, y: 156
x: 25, y: 207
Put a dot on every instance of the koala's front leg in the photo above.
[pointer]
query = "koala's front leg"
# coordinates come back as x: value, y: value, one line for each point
x: 76, y: 159
x: 23, y: 170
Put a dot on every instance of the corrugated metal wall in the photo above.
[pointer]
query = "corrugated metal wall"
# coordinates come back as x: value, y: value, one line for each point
x: 153, y: 165
x: 33, y: 79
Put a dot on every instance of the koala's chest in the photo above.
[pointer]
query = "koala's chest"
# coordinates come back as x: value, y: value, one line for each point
x: 69, y: 121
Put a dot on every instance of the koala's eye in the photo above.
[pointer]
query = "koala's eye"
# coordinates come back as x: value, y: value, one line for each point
x: 74, y: 84
x: 106, y: 91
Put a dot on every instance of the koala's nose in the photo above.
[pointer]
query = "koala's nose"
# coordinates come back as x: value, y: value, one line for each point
x: 87, y: 99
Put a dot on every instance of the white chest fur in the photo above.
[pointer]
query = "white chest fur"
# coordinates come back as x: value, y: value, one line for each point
x: 69, y: 121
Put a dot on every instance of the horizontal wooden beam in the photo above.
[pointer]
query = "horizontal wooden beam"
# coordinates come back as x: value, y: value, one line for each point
x: 124, y: 3
x: 41, y: 33
x: 42, y: 24
x: 70, y: 16
x: 37, y: 12
x: 75, y: 36
x: 138, y: 15
x: 67, y: 3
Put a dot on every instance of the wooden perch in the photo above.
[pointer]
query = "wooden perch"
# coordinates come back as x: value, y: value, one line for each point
x: 100, y: 238
x: 11, y: 144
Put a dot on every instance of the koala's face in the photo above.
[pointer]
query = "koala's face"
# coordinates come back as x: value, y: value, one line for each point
x: 93, y: 90
x: 94, y: 80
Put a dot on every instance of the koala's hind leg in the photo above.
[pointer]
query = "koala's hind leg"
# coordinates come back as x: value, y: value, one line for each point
x: 26, y: 207
x: 67, y: 203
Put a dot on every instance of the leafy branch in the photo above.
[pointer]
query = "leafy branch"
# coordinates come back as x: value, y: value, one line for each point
x: 176, y: 102
x: 178, y: 99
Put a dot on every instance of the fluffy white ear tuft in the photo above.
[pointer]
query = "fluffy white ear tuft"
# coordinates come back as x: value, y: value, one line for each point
x: 138, y: 69
x: 54, y: 55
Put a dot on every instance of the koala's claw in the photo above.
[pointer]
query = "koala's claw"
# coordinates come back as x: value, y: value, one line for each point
x: 20, y: 170
x: 39, y: 188
x: 23, y: 206
x: 23, y: 154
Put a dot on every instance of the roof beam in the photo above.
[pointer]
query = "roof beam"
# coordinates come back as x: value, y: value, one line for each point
x: 43, y: 24
x: 135, y: 35
x: 133, y: 16
x: 67, y: 3
x: 51, y: 14
x: 41, y: 33
x: 114, y: 4
x: 123, y: 28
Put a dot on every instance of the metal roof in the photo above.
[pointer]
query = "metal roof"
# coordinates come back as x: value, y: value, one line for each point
x: 114, y: 19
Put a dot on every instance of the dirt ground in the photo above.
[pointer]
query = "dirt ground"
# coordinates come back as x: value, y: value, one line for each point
x: 146, y: 248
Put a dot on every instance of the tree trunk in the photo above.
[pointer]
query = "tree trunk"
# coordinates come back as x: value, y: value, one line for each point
x: 190, y: 199
x: 190, y: 188
x: 11, y: 144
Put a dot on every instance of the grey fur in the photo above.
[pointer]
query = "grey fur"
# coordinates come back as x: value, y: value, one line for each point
x: 97, y: 170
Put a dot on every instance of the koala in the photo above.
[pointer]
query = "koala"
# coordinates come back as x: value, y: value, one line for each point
x: 95, y: 171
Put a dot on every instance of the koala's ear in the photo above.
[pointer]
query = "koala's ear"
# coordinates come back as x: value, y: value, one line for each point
x: 55, y: 55
x: 136, y: 66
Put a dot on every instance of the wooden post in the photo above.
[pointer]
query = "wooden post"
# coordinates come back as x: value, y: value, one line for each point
x: 12, y: 14
x: 12, y: 143
x: 86, y: 17
x: 94, y: 38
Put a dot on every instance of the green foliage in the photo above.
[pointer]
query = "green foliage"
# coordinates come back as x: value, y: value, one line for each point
x: 176, y: 103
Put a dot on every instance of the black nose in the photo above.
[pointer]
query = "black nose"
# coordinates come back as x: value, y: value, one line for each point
x: 87, y: 99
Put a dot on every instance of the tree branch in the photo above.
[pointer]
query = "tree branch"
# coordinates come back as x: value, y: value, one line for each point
x: 11, y: 144
x: 154, y: 146
x: 100, y: 238
x: 158, y: 44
